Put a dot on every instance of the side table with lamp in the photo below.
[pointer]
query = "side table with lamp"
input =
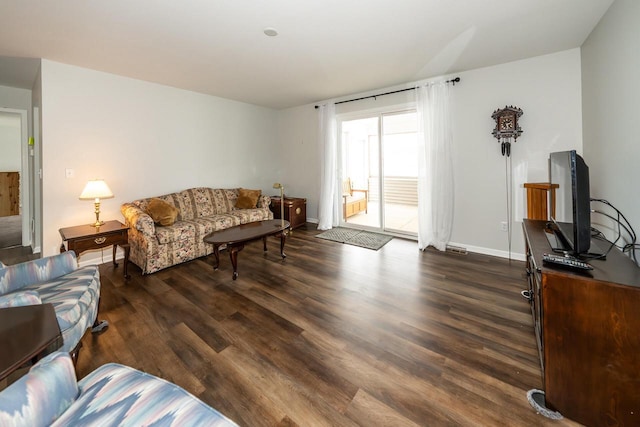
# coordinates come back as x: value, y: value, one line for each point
x: 100, y: 234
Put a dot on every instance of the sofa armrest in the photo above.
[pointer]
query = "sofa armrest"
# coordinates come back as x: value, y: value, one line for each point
x: 264, y: 202
x: 15, y: 277
x: 19, y: 299
x: 42, y: 395
x: 138, y: 219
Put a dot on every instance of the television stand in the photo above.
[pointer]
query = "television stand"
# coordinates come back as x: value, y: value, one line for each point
x: 586, y: 325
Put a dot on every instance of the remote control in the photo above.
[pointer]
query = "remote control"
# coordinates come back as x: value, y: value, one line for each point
x: 567, y: 261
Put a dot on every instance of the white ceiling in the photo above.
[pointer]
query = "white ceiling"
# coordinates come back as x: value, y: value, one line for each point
x: 324, y: 49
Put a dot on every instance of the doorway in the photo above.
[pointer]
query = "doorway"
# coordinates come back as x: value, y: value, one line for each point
x: 14, y: 179
x: 379, y: 172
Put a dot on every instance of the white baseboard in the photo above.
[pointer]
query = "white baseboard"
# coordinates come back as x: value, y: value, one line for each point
x: 493, y: 252
x: 97, y: 258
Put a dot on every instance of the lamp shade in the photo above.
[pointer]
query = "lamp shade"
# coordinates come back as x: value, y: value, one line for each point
x: 96, y: 189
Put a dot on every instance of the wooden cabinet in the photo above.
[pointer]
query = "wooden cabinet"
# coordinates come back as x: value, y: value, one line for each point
x: 295, y: 210
x: 9, y: 193
x: 539, y: 195
x: 588, y: 329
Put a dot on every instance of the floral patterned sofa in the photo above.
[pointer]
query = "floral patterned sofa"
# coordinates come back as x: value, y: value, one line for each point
x: 200, y: 211
x: 112, y: 395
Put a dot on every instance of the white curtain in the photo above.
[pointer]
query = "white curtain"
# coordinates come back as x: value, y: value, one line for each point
x: 328, y: 209
x: 435, y: 166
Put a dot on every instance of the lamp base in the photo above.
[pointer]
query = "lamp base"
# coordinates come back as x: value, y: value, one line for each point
x: 98, y: 223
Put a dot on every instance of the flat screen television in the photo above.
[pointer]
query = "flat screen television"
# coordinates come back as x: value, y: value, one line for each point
x: 572, y: 215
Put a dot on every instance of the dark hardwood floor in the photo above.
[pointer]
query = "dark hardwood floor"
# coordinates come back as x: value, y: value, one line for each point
x: 335, y: 335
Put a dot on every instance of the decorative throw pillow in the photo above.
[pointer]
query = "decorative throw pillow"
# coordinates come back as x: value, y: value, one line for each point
x: 162, y: 212
x: 247, y: 199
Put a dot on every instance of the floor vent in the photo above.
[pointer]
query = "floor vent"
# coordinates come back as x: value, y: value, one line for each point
x: 457, y: 250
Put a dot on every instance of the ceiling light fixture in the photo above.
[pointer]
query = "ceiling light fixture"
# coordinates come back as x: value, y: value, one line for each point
x: 270, y: 31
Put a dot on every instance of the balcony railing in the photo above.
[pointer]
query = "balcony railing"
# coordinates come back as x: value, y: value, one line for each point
x: 397, y: 190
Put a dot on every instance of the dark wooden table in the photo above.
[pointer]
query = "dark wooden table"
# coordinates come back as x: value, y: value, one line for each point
x: 88, y: 237
x: 27, y: 333
x: 236, y: 237
x: 294, y: 208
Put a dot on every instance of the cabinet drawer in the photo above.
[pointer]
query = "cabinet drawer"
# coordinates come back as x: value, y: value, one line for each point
x: 97, y: 242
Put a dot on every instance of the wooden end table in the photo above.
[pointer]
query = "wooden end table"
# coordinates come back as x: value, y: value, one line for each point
x: 27, y: 333
x: 236, y: 237
x: 295, y: 210
x: 83, y: 238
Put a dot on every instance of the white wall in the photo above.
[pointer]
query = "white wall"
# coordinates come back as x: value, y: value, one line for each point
x: 11, y: 159
x: 144, y: 139
x: 299, y: 169
x: 547, y: 88
x: 611, y: 92
x: 19, y: 99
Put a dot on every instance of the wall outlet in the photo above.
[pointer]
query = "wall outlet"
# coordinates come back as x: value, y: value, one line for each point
x: 504, y: 226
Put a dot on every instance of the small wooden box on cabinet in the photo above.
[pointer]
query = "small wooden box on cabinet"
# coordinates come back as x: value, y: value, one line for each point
x: 537, y: 200
x: 295, y: 210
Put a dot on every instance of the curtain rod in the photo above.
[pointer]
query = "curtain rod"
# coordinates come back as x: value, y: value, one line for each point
x: 453, y: 81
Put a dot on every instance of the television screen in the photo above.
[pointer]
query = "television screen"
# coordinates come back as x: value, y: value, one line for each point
x: 572, y: 213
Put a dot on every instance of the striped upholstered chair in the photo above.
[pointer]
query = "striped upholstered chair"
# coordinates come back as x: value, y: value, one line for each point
x: 74, y: 293
x: 112, y: 395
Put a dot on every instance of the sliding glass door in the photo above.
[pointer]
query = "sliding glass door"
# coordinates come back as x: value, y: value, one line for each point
x: 379, y: 172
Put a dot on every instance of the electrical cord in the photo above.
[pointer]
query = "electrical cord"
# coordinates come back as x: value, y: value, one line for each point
x: 630, y: 247
x: 620, y: 214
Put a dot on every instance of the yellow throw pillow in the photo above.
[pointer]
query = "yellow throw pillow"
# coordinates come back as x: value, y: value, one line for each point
x: 162, y: 212
x: 247, y: 199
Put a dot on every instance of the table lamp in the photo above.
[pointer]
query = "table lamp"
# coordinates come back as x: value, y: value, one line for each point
x: 96, y: 189
x: 281, y: 187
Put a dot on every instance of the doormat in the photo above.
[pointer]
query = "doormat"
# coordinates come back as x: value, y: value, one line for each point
x: 364, y: 239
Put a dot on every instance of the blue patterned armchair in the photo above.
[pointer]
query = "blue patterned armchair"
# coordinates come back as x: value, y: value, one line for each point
x: 74, y: 292
x: 112, y: 395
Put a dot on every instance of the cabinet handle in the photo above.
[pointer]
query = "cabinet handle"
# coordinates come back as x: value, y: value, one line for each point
x: 100, y: 240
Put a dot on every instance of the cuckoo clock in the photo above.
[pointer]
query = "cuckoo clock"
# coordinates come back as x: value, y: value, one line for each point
x: 507, y: 129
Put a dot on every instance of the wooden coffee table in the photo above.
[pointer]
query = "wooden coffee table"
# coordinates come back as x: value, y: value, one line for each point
x: 236, y: 237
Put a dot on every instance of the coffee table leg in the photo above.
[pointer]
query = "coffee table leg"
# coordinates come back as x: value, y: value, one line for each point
x: 216, y: 252
x: 283, y: 237
x: 264, y: 243
x: 233, y: 254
